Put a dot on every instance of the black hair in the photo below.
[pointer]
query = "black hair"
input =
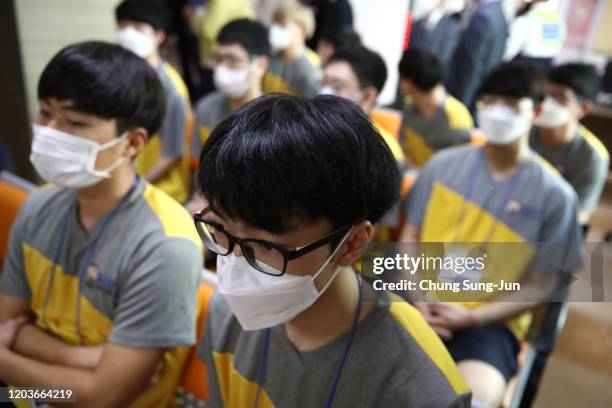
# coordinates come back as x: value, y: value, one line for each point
x: 340, y: 37
x: 583, y: 79
x: 249, y: 34
x: 368, y: 66
x: 515, y: 80
x: 421, y: 67
x: 152, y: 12
x: 108, y: 81
x: 281, y: 159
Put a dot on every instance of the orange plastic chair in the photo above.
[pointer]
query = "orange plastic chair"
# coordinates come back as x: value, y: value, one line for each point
x: 13, y: 192
x: 388, y: 119
x: 195, y: 376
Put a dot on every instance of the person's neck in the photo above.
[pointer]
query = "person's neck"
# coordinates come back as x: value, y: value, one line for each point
x: 294, y: 51
x: 560, y: 136
x: 330, y: 316
x: 95, y: 202
x: 237, y: 103
x: 154, y: 59
x: 504, y: 159
x: 429, y: 102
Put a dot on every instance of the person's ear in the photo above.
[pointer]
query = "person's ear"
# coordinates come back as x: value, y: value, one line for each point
x: 585, y: 107
x: 369, y: 98
x: 361, y: 234
x: 137, y: 139
x: 261, y: 64
x: 405, y: 86
x: 160, y: 37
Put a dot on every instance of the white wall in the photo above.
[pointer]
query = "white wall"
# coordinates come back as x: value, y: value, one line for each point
x: 381, y: 25
x: 45, y: 26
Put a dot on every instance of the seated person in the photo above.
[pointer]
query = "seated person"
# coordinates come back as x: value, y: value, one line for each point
x: 243, y: 54
x: 333, y: 39
x: 98, y: 288
x: 432, y: 119
x: 359, y: 75
x: 292, y: 321
x: 497, y: 193
x: 569, y: 146
x: 294, y: 68
x: 164, y: 161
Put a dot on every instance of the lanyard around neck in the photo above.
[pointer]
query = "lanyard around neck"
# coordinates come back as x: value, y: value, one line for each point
x: 261, y: 371
x: 88, y: 254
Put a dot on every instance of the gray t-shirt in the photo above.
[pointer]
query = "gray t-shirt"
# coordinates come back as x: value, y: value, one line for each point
x: 298, y: 78
x: 138, y: 288
x: 395, y: 360
x: 209, y: 111
x: 450, y: 125
x: 583, y: 162
x: 172, y: 130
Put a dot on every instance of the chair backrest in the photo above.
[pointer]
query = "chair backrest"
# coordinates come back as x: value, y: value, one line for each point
x: 389, y: 119
x: 195, y: 377
x: 13, y: 192
x: 548, y: 321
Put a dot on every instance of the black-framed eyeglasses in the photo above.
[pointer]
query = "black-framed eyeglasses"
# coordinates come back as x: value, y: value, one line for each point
x: 264, y: 256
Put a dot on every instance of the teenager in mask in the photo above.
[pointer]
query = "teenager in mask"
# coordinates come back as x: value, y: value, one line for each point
x: 293, y: 187
x: 359, y: 74
x: 501, y: 192
x: 432, y: 119
x: 559, y: 137
x: 97, y: 293
x: 294, y: 68
x: 243, y: 54
x: 165, y: 160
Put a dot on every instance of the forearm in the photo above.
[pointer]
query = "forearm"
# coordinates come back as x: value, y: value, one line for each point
x: 161, y: 168
x: 23, y: 371
x: 39, y: 345
x: 105, y: 387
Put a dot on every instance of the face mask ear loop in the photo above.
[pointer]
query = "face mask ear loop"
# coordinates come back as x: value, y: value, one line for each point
x: 329, y: 260
x: 106, y: 172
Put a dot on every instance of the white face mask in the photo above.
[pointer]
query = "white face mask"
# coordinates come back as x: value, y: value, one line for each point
x: 260, y: 301
x: 135, y: 41
x: 553, y: 114
x: 454, y: 6
x: 327, y: 90
x: 501, y: 125
x: 231, y: 82
x: 421, y: 8
x: 68, y: 160
x: 280, y: 38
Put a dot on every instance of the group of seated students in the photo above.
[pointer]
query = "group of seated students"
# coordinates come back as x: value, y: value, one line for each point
x: 99, y: 289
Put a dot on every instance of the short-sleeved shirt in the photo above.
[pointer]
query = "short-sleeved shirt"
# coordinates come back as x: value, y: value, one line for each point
x: 138, y: 288
x: 209, y: 111
x: 583, y: 162
x: 300, y: 77
x: 421, y: 137
x: 173, y: 138
x: 457, y: 199
x: 395, y: 360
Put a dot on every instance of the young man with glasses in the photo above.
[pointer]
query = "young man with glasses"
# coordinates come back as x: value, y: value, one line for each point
x: 243, y: 54
x: 501, y: 192
x: 293, y: 187
x: 559, y: 137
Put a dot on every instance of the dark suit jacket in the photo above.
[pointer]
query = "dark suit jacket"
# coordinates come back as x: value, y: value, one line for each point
x: 481, y: 47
